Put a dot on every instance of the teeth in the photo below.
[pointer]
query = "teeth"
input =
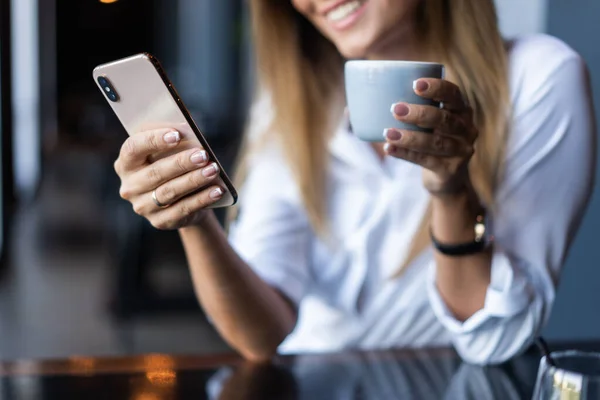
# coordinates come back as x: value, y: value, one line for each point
x: 343, y: 10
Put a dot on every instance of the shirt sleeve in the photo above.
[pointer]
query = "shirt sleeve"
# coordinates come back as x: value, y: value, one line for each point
x: 272, y: 233
x: 546, y: 187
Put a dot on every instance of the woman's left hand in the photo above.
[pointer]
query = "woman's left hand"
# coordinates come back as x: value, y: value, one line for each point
x: 445, y: 153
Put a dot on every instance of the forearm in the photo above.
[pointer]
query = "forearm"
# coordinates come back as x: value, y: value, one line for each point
x: 250, y: 315
x: 461, y: 281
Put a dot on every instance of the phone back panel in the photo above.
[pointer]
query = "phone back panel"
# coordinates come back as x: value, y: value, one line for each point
x: 148, y: 101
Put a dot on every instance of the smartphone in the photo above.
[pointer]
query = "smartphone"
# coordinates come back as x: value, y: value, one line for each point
x: 143, y: 98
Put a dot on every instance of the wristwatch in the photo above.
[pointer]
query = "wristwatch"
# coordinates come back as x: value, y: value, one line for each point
x: 480, y: 243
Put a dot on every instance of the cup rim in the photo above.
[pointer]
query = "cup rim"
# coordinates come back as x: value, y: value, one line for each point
x: 392, y: 62
x: 557, y: 355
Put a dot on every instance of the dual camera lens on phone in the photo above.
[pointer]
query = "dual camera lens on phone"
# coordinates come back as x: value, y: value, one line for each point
x: 107, y: 88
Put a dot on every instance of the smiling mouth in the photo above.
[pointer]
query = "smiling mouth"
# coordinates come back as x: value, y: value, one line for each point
x: 344, y: 10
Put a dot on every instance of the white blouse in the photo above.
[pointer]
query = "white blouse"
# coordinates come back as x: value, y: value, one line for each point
x: 343, y: 289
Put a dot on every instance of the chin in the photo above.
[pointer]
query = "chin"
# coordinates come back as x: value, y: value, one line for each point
x: 353, y: 51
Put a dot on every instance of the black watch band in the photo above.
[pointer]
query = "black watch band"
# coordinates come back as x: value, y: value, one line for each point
x: 479, y: 244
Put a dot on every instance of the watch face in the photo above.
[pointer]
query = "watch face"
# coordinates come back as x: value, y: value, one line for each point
x: 479, y: 231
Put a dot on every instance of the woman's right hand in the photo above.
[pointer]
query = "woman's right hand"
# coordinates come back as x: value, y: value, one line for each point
x: 172, y: 181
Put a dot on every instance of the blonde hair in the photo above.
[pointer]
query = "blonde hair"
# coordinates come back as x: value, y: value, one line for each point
x: 303, y: 73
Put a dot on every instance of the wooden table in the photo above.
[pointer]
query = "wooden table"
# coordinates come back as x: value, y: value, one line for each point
x: 392, y: 374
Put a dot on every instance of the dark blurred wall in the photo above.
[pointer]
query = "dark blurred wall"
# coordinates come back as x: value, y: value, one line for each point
x: 89, y: 33
x: 206, y: 63
x: 6, y: 159
x: 197, y: 41
x: 577, y: 311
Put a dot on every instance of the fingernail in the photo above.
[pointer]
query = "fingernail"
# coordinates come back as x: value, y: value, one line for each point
x: 216, y: 193
x: 420, y: 86
x: 210, y: 171
x: 199, y: 157
x: 172, y: 137
x: 400, y: 109
x: 389, y: 148
x: 392, y: 134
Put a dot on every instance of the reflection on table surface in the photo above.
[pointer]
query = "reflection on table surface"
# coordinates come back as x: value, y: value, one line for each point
x: 393, y: 374
x: 418, y: 375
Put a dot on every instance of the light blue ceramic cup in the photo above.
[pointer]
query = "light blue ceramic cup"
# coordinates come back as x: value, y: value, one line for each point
x: 373, y: 86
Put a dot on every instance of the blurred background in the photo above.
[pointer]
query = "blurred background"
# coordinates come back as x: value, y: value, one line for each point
x: 80, y: 273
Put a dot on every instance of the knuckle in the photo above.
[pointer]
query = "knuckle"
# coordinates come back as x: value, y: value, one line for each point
x: 181, y: 162
x: 153, y: 175
x: 196, y: 179
x: 138, y: 208
x: 124, y: 192
x: 166, y: 194
x: 129, y: 148
x: 185, y: 211
x: 408, y: 139
x: 203, y: 200
x: 421, y: 114
x: 158, y: 224
x: 151, y: 142
x: 117, y: 166
x: 165, y: 222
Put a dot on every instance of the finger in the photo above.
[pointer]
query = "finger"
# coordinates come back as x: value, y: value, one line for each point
x: 441, y: 90
x: 427, y: 143
x: 138, y: 147
x: 161, y: 171
x: 429, y: 117
x: 180, y: 187
x: 180, y: 213
x: 428, y: 161
x: 176, y: 189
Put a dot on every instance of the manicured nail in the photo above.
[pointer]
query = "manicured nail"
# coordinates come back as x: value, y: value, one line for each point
x: 389, y: 148
x: 400, y: 109
x: 210, y: 171
x: 420, y: 86
x: 392, y: 134
x: 199, y: 157
x: 172, y: 137
x: 216, y: 193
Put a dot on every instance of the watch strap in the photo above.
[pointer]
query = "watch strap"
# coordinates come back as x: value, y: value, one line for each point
x: 479, y: 244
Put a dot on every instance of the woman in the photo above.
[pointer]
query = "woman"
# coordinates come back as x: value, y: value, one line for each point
x: 343, y: 244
